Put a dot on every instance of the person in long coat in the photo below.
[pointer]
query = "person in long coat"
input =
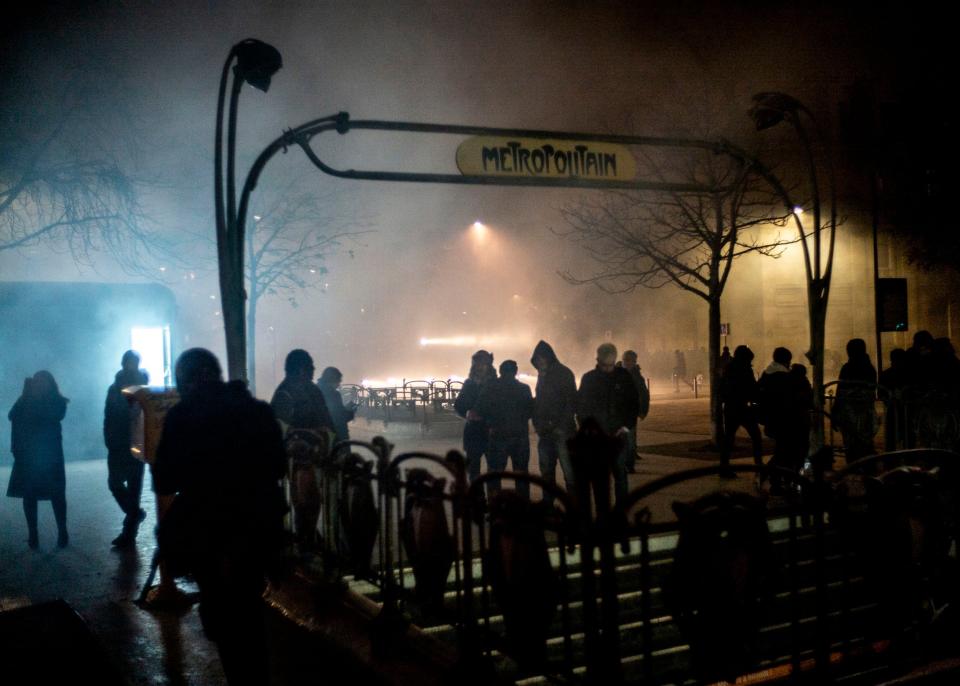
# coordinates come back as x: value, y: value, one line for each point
x: 37, y: 446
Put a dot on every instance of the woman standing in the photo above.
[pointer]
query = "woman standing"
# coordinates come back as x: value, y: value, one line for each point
x: 37, y: 446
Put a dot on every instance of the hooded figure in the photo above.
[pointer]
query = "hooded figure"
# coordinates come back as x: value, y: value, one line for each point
x: 554, y: 409
x: 738, y: 393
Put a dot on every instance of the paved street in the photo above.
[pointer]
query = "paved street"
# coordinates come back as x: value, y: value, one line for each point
x: 164, y: 648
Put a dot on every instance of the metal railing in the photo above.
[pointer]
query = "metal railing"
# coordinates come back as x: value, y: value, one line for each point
x: 821, y: 582
x: 876, y: 418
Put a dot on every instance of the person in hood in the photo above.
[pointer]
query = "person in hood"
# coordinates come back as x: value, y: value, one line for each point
x: 608, y: 395
x: 507, y: 406
x: 124, y: 471
x: 217, y: 479
x: 554, y: 409
x: 476, y: 431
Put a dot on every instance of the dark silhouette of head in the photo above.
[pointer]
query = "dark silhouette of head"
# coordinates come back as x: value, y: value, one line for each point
x: 743, y: 354
x: 856, y: 348
x: 130, y: 361
x: 481, y: 366
x: 331, y: 375
x: 923, y: 341
x: 798, y: 370
x: 197, y: 370
x: 898, y: 357
x: 508, y: 369
x: 44, y: 386
x: 298, y: 364
x: 782, y: 356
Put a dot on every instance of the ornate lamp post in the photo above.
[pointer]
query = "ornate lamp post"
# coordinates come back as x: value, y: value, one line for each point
x: 769, y: 110
x: 253, y: 62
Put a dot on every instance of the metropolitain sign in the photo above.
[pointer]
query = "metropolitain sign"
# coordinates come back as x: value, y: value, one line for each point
x: 545, y: 158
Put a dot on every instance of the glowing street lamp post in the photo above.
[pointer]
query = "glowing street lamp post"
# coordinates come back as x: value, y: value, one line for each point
x: 769, y: 110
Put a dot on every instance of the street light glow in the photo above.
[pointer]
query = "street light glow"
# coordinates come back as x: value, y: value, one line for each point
x: 797, y: 210
x: 479, y: 230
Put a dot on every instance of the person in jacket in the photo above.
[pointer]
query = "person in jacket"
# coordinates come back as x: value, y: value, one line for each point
x: 300, y: 408
x: 629, y: 363
x: 738, y: 394
x: 217, y: 479
x: 554, y: 409
x: 608, y: 395
x: 36, y: 440
x: 781, y: 411
x: 507, y: 406
x: 124, y: 471
x: 340, y: 414
x: 853, y: 412
x: 476, y: 431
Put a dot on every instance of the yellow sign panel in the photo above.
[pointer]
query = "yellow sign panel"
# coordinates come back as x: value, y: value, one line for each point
x: 542, y: 157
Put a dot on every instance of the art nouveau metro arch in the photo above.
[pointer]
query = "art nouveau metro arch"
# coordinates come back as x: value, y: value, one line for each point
x: 485, y: 157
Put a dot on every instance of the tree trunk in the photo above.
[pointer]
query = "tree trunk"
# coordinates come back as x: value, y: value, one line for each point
x: 713, y: 334
x: 818, y: 320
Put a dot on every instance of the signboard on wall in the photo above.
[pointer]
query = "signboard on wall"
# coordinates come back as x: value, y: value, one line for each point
x: 892, y: 305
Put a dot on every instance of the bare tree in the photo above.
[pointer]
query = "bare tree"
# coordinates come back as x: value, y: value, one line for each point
x: 293, y: 234
x: 688, y: 240
x: 65, y: 179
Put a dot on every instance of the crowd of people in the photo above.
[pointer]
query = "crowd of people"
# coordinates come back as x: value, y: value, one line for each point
x: 498, y: 411
x: 223, y: 454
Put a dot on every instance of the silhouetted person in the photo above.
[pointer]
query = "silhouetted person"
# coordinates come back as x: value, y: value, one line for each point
x: 554, y: 409
x: 340, y: 414
x: 476, y: 432
x: 36, y: 441
x: 300, y: 408
x: 774, y: 402
x: 221, y: 455
x: 894, y: 381
x: 629, y: 363
x: 124, y: 471
x: 801, y: 408
x: 608, y: 395
x: 507, y: 406
x: 738, y: 393
x: 679, y: 369
x: 725, y: 358
x: 853, y: 410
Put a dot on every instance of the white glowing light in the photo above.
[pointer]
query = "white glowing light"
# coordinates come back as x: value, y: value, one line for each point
x: 479, y: 230
x: 153, y: 344
x: 163, y: 269
x: 213, y: 297
x: 313, y: 271
x: 256, y: 217
x: 797, y: 210
x: 450, y: 341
